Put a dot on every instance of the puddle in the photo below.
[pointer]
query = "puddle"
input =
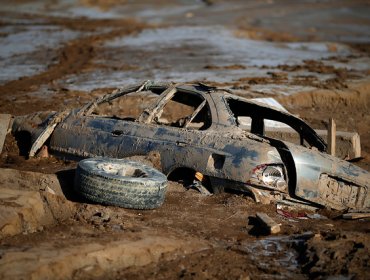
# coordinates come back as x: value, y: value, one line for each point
x: 28, y: 50
x: 31, y: 38
x: 223, y: 47
x: 278, y: 252
x: 20, y: 66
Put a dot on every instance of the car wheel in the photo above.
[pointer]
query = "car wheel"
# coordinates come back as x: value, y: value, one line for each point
x: 120, y: 182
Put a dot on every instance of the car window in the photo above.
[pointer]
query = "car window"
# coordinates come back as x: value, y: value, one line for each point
x: 185, y: 110
x: 244, y: 122
x: 272, y: 123
x: 246, y: 116
x: 281, y: 131
x: 126, y: 107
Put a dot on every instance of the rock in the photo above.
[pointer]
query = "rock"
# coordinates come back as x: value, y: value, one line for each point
x: 99, y: 218
x: 20, y: 211
x: 29, y: 201
x: 23, y: 211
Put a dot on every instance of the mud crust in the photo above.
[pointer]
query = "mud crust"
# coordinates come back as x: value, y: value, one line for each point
x: 143, y: 189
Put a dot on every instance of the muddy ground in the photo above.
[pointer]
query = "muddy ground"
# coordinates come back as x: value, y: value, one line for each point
x: 312, y: 56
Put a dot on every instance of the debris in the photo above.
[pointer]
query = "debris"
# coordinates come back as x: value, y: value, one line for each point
x: 291, y: 213
x: 43, y: 153
x: 287, y: 214
x: 316, y: 216
x: 99, y: 218
x: 45, y: 134
x: 294, y: 204
x: 199, y: 176
x: 198, y: 184
x: 199, y: 187
x: 355, y: 216
x: 268, y: 222
x: 4, y: 124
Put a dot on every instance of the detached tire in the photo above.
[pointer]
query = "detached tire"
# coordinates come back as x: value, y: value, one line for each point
x: 120, y: 182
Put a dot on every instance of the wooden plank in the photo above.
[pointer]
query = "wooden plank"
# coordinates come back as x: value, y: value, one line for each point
x: 4, y: 124
x: 331, y: 137
x: 347, y: 144
x: 355, y: 216
x: 268, y: 222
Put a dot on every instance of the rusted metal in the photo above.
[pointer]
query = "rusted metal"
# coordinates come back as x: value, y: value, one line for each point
x: 212, y: 141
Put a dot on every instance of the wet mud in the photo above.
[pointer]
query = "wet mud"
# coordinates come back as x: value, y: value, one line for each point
x: 312, y: 56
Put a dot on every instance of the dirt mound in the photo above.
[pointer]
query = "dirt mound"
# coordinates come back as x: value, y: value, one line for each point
x: 74, y: 257
x: 355, y: 96
x: 334, y: 254
x: 29, y: 201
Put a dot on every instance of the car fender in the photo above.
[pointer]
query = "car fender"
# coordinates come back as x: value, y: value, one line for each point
x: 329, y: 181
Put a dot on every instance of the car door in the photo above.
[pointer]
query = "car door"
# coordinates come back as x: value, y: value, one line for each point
x: 111, y: 129
x: 180, y: 120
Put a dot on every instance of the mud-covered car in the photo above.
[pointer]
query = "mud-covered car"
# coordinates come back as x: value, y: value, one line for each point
x: 197, y: 128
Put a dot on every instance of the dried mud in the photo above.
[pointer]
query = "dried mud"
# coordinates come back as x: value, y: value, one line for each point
x: 190, y: 236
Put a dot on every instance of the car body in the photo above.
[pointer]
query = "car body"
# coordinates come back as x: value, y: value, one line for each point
x: 208, y: 130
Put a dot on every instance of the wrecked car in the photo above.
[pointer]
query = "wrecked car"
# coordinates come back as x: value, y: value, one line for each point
x: 197, y: 128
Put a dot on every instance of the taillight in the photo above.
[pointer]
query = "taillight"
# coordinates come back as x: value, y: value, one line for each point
x: 269, y: 176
